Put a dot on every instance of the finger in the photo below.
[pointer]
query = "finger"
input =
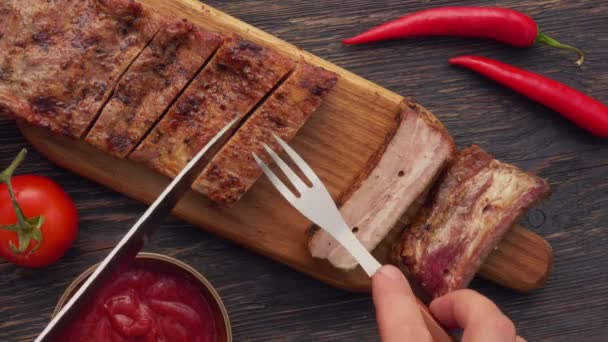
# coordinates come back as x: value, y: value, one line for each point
x: 478, y: 316
x: 399, y: 318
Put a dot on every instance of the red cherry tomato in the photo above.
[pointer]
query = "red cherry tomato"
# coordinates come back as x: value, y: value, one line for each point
x: 37, y: 197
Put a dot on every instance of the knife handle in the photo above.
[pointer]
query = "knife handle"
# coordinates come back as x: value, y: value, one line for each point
x: 438, y: 333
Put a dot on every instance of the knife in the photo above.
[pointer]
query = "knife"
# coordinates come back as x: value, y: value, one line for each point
x: 128, y: 247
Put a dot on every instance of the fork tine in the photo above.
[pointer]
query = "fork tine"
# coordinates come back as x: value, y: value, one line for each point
x: 289, y: 196
x: 292, y: 176
x: 307, y: 170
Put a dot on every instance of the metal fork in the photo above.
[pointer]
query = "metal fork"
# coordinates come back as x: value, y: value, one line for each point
x: 316, y: 204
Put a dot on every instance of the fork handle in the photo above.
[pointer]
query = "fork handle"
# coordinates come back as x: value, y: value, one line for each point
x: 367, y: 261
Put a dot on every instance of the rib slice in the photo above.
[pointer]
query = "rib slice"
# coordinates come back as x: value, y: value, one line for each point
x: 232, y: 83
x: 476, y: 202
x: 149, y: 86
x: 59, y: 69
x: 233, y: 170
x: 414, y: 157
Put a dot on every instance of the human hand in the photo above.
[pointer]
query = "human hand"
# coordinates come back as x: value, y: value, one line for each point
x: 400, y: 319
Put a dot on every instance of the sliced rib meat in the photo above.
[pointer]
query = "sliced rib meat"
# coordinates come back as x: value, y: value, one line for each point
x: 150, y: 85
x: 476, y: 202
x: 61, y: 66
x: 232, y: 83
x: 412, y: 160
x: 233, y: 170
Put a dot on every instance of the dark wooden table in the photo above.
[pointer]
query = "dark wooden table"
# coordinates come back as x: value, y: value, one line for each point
x: 268, y: 301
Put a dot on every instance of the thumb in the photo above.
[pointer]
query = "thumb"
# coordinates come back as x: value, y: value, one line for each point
x: 399, y: 318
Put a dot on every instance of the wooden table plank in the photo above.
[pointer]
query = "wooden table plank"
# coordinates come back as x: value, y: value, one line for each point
x: 268, y: 301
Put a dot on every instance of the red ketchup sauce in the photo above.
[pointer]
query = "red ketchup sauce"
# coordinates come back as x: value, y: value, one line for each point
x: 144, y: 304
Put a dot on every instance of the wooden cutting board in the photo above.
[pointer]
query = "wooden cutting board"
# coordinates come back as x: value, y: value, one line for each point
x: 338, y: 142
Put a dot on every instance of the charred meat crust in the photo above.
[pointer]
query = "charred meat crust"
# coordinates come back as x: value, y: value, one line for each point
x: 150, y: 85
x: 66, y: 56
x: 473, y: 206
x: 239, y: 75
x: 233, y: 170
x: 10, y: 20
x: 409, y: 164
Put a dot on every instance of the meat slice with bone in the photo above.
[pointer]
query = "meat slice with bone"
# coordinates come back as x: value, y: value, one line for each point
x: 60, y: 67
x: 475, y: 203
x: 150, y: 85
x: 239, y: 75
x: 233, y: 170
x: 405, y: 170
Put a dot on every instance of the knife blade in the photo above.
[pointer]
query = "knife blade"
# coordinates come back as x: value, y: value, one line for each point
x: 128, y: 247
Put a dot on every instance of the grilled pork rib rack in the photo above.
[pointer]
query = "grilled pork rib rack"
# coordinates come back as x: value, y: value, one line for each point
x: 153, y: 90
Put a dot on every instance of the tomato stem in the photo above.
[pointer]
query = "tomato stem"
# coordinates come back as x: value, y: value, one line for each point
x: 544, y: 39
x: 27, y: 229
x: 5, y: 177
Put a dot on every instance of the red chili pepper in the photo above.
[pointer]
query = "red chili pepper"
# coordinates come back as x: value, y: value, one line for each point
x: 579, y: 108
x: 501, y: 24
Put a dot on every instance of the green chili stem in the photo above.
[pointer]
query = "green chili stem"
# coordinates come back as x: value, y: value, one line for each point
x: 544, y: 39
